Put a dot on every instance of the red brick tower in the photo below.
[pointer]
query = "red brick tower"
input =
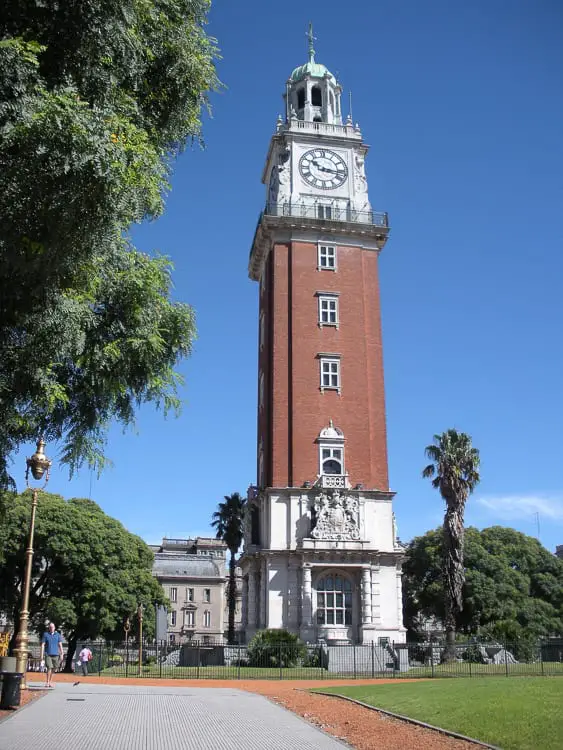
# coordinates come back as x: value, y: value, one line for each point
x: 322, y: 479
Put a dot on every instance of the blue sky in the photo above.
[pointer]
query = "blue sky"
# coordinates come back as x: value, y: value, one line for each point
x: 462, y: 105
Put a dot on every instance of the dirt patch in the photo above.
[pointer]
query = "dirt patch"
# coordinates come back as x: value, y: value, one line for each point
x: 359, y: 727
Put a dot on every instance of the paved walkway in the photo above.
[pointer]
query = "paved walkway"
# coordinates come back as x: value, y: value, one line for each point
x: 124, y: 717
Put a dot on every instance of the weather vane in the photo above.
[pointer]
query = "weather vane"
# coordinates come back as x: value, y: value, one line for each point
x: 311, y: 39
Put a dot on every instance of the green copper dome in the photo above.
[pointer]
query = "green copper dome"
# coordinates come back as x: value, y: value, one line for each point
x: 311, y: 68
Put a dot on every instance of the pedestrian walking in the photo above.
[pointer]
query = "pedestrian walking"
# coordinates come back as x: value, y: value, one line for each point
x: 51, y: 652
x: 83, y: 658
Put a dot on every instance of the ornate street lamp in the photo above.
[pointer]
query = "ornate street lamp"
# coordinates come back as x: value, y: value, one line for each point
x: 140, y: 616
x: 39, y: 466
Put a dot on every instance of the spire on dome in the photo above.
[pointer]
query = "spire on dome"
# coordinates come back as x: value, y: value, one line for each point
x: 311, y: 43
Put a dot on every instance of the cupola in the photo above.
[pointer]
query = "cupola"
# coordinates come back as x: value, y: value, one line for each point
x: 312, y: 92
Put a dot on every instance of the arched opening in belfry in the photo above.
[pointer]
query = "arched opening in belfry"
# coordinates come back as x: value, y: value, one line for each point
x: 300, y: 98
x: 317, y: 119
x: 316, y: 96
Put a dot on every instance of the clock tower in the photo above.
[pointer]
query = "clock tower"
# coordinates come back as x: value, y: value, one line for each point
x: 321, y: 555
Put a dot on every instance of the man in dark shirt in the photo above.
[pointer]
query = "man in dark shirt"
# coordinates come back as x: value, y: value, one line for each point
x: 51, y: 652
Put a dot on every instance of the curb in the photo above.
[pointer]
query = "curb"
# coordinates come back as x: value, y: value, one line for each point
x: 423, y: 724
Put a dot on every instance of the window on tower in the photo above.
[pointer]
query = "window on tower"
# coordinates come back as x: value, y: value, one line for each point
x: 300, y: 98
x: 316, y: 96
x: 323, y: 211
x: 327, y: 254
x: 334, y: 600
x: 328, y: 310
x: 330, y: 374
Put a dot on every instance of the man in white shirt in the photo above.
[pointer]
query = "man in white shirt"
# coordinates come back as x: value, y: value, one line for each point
x: 83, y: 658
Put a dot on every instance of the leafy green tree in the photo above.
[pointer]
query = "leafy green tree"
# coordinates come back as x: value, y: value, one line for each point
x: 89, y: 572
x: 228, y: 522
x: 96, y: 98
x: 455, y: 472
x: 513, y: 589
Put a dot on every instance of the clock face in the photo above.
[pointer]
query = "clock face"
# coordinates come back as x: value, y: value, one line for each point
x: 323, y: 169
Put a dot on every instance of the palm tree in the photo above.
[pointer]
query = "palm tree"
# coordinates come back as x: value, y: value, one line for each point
x: 228, y: 522
x: 455, y: 472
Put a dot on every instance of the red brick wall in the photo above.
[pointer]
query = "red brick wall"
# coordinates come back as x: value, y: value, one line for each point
x: 295, y: 409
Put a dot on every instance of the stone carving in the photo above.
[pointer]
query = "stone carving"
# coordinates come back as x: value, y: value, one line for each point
x: 284, y: 175
x: 336, y: 516
x: 360, y: 181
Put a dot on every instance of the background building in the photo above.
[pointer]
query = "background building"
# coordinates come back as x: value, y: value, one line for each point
x: 321, y: 554
x: 193, y: 575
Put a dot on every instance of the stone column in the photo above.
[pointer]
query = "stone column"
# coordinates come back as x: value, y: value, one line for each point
x: 366, y: 596
x: 307, y: 598
x: 251, y: 607
x: 244, y: 603
x: 375, y: 596
x: 264, y: 594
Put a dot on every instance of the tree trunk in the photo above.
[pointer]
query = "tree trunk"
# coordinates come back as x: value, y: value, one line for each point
x: 232, y: 599
x: 453, y: 571
x: 71, y: 650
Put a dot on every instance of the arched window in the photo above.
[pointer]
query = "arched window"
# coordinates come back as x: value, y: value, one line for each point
x: 300, y: 98
x: 254, y: 525
x: 317, y: 119
x: 316, y: 96
x: 331, y: 460
x: 334, y: 600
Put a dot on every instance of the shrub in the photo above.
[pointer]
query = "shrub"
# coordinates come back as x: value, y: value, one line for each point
x: 474, y: 654
x: 275, y: 648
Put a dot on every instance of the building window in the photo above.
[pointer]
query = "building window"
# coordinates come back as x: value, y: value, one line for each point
x: 190, y: 619
x: 207, y: 619
x: 261, y: 330
x: 331, y: 459
x: 328, y: 310
x: 334, y: 600
x: 173, y: 618
x: 172, y: 638
x: 316, y: 96
x: 207, y: 640
x: 173, y: 594
x: 206, y: 595
x: 261, y: 469
x: 324, y: 211
x: 301, y: 98
x: 261, y: 391
x: 327, y: 253
x: 190, y: 595
x: 330, y: 373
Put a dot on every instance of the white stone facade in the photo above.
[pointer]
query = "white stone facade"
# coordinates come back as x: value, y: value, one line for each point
x: 291, y: 548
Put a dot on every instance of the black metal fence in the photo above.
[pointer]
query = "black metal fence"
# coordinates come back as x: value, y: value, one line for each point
x: 196, y: 660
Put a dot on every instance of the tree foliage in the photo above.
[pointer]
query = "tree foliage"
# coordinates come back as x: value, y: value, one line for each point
x: 89, y: 572
x: 228, y: 521
x: 96, y: 96
x: 455, y: 472
x: 513, y: 588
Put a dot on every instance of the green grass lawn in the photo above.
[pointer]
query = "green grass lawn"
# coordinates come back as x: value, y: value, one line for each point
x: 514, y: 714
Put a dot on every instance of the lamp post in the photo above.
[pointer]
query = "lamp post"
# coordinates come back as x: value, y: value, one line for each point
x: 39, y: 465
x: 126, y: 629
x: 140, y: 616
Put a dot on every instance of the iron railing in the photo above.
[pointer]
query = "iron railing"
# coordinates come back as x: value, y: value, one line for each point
x: 196, y: 660
x: 325, y: 212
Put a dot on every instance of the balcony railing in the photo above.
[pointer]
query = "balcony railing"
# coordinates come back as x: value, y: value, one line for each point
x: 323, y: 212
x: 334, y: 481
x: 324, y: 128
